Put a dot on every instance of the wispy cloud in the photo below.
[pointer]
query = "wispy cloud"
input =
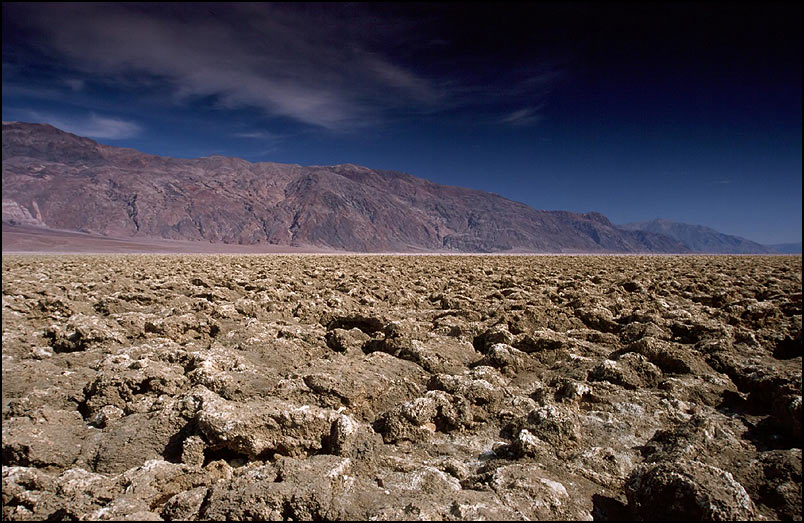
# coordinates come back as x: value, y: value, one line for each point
x: 303, y: 74
x: 76, y: 84
x: 267, y: 141
x: 11, y: 88
x: 522, y: 117
x: 335, y: 66
x: 258, y: 135
x: 93, y: 125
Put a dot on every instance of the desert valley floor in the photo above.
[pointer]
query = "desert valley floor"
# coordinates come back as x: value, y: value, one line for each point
x: 401, y: 387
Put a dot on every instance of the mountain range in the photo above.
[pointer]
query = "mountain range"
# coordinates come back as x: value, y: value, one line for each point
x: 57, y: 180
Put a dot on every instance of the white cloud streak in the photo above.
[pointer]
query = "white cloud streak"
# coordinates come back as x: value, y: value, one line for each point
x: 339, y: 67
x: 522, y: 117
x: 258, y: 135
x: 92, y: 126
x: 268, y: 59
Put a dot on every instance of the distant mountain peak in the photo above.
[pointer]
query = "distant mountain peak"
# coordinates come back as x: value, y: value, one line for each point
x: 700, y: 238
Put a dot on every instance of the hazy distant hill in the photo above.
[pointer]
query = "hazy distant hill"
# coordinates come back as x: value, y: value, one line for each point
x: 699, y: 238
x: 58, y: 180
x: 785, y: 248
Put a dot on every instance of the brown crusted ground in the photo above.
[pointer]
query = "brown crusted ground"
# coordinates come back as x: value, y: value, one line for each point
x: 349, y: 387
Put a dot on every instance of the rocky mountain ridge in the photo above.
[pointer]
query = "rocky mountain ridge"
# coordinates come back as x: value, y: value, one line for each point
x: 62, y: 181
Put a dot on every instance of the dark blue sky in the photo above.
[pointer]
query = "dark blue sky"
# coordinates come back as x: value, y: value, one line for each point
x: 685, y: 111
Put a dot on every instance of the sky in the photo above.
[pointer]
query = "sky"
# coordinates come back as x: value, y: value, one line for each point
x: 684, y: 111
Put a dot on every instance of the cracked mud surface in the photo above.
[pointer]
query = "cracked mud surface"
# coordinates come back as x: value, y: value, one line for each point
x: 381, y: 387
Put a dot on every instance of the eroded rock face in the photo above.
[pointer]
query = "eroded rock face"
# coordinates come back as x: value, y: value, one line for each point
x: 687, y: 491
x: 226, y: 387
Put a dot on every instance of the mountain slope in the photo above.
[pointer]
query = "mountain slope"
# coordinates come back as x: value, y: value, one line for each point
x: 58, y: 180
x: 699, y: 238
